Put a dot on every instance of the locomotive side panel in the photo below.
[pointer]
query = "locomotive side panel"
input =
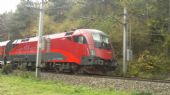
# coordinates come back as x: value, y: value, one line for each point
x: 2, y: 50
x: 24, y: 51
x: 65, y: 48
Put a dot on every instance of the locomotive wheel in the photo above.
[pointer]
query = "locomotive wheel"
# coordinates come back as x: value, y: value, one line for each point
x: 76, y: 69
x: 94, y: 70
x: 80, y: 70
x: 57, y: 70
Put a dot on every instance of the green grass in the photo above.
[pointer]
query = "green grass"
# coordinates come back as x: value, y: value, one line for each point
x: 15, y: 85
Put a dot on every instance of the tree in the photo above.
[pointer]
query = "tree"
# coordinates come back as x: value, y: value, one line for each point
x: 58, y: 9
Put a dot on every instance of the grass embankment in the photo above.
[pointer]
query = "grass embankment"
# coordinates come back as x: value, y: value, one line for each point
x: 24, y: 85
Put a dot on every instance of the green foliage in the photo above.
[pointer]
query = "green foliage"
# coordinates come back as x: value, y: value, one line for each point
x: 25, y: 74
x: 119, y: 70
x: 58, y: 9
x: 7, y: 69
x: 22, y: 67
x: 142, y: 93
x: 149, y: 66
x: 166, y: 46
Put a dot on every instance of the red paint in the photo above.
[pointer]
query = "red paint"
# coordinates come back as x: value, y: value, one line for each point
x: 59, y: 43
x: 2, y: 49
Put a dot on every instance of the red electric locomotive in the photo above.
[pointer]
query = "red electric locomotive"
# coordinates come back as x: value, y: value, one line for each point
x: 82, y: 50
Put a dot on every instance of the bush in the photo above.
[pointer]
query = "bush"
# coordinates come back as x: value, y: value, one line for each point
x: 24, y: 74
x: 119, y: 70
x: 22, y: 67
x: 149, y: 66
x: 27, y: 75
x: 6, y: 69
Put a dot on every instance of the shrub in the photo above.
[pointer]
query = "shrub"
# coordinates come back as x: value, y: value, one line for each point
x: 22, y: 67
x: 6, y: 69
x: 148, y: 66
x: 27, y: 75
x: 24, y: 74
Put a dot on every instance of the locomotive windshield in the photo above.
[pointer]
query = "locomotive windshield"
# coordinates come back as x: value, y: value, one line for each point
x: 101, y: 41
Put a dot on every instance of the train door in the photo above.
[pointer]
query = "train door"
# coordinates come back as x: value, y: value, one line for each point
x: 81, y: 45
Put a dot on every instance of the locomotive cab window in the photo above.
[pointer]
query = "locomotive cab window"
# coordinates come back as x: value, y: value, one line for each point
x: 101, y: 41
x: 80, y: 39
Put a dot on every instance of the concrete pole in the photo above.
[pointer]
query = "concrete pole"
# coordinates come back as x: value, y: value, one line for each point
x: 39, y: 44
x: 9, y: 36
x: 169, y: 18
x: 125, y: 42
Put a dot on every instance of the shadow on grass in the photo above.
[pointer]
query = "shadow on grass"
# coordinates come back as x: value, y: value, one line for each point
x: 142, y: 93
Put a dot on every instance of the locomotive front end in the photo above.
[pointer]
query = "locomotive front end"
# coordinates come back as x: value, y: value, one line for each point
x: 101, y: 53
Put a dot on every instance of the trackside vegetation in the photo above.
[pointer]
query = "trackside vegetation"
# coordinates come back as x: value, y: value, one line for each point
x: 27, y: 84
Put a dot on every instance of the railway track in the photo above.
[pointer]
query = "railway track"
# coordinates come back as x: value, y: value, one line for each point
x: 131, y: 78
x: 157, y: 87
x: 113, y: 77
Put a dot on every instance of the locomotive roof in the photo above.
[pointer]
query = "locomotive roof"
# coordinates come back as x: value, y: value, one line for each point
x: 4, y: 43
x: 94, y: 31
x: 25, y: 40
x: 52, y: 36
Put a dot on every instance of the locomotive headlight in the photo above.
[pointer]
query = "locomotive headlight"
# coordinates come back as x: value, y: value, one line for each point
x: 92, y: 52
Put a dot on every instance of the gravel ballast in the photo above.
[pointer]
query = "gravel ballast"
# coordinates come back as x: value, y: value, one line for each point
x: 119, y: 84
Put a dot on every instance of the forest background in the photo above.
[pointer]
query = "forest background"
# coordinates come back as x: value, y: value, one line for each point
x: 148, y: 28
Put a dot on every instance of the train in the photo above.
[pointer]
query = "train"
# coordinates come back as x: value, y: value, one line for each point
x: 79, y: 50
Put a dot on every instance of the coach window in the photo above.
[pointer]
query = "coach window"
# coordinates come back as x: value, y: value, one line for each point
x: 80, y: 39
